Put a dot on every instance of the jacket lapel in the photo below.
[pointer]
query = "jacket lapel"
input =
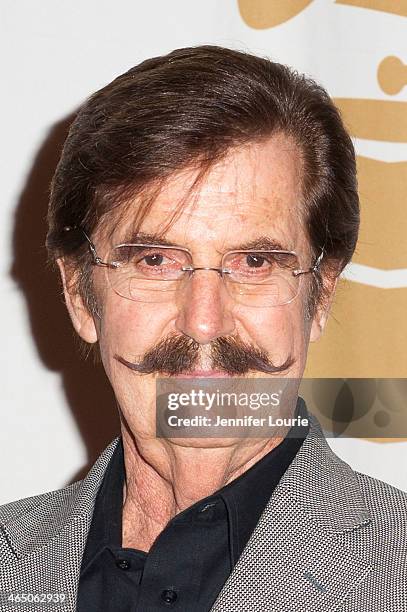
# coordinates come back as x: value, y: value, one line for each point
x: 294, y: 560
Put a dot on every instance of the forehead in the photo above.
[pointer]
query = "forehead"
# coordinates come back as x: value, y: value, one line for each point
x: 254, y: 190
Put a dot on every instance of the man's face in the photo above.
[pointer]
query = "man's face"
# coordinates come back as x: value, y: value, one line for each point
x: 255, y: 192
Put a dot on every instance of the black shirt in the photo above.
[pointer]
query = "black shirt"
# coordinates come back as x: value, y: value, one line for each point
x: 192, y: 557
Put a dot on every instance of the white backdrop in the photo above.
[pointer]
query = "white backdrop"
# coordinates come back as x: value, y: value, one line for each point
x: 57, y: 412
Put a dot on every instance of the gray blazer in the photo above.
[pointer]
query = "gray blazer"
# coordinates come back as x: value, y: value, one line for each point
x: 329, y: 539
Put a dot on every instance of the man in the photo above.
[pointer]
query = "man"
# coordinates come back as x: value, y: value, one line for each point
x: 203, y: 207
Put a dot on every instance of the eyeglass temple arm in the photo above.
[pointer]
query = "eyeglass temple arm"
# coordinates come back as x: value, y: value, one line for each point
x: 96, y: 259
x: 318, y: 261
x: 314, y: 268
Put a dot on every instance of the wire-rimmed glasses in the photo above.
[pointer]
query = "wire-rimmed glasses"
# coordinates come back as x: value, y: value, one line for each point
x: 153, y: 273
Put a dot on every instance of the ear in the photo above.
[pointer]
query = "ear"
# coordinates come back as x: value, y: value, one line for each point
x: 322, y: 310
x: 81, y: 318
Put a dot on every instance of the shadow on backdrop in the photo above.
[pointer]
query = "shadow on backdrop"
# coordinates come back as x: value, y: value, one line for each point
x: 87, y: 389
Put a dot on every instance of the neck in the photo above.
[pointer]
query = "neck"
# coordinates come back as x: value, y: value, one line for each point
x: 163, y: 478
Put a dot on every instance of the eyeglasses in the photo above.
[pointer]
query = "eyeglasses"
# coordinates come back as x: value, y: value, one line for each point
x: 153, y: 273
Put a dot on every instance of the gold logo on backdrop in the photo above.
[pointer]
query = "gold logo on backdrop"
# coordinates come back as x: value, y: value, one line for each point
x: 383, y: 120
x: 397, y: 7
x: 359, y: 407
x: 366, y: 336
x: 262, y: 14
x: 392, y: 75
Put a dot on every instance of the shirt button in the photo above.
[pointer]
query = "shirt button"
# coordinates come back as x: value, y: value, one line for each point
x: 169, y: 596
x: 123, y: 564
x: 207, y: 512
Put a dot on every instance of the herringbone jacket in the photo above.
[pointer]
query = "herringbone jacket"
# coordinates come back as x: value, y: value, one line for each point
x: 330, y: 539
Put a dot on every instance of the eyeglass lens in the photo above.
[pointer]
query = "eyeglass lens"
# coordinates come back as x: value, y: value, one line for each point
x: 148, y: 273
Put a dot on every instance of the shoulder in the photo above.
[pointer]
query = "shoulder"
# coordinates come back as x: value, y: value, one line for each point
x: 384, y: 537
x: 382, y: 543
x: 33, y: 521
x: 387, y: 504
x: 49, y: 502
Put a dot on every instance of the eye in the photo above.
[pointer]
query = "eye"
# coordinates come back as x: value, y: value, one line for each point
x: 154, y: 259
x: 157, y: 260
x: 255, y: 261
x: 150, y: 261
x: 145, y: 257
x: 260, y: 265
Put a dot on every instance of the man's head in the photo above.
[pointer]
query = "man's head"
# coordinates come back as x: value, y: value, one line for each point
x: 211, y: 150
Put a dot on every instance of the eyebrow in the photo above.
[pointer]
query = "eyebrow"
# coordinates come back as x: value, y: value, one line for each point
x: 260, y: 243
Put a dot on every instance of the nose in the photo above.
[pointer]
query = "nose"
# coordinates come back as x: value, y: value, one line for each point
x: 204, y: 307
